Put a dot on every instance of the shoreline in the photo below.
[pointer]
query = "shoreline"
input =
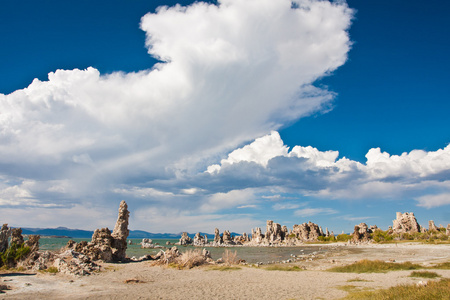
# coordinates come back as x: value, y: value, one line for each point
x: 141, y: 280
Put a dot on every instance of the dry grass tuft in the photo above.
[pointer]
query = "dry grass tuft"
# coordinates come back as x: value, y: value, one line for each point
x: 190, y: 259
x: 442, y: 266
x: 283, y: 268
x: 424, y: 274
x: 230, y: 258
x: 223, y: 268
x: 375, y: 266
x: 436, y: 290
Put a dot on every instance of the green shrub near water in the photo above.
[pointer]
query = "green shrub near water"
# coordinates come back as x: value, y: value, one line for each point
x: 14, y: 254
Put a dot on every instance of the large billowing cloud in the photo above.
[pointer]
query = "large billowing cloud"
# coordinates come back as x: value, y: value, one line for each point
x: 420, y: 175
x: 229, y: 73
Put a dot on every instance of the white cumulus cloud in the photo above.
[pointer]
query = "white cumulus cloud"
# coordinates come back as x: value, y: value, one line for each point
x: 229, y: 73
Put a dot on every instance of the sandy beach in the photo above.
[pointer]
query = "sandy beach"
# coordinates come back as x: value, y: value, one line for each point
x: 143, y: 281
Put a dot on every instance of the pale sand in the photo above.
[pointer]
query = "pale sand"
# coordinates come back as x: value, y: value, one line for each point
x: 247, y: 283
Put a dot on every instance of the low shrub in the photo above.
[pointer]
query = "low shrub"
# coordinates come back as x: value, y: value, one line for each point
x: 283, y: 268
x: 14, y: 254
x: 190, y: 259
x: 436, y: 290
x: 375, y: 266
x: 343, y: 237
x: 224, y: 268
x: 442, y: 266
x: 230, y: 258
x: 380, y: 236
x: 326, y: 238
x: 424, y: 274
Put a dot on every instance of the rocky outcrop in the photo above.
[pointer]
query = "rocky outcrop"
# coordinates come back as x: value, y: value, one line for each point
x: 120, y: 233
x: 361, y: 233
x: 75, y: 263
x: 185, y: 239
x: 217, y: 237
x: 273, y: 232
x: 405, y: 223
x: 33, y: 242
x: 307, y: 232
x: 104, y: 245
x: 241, y: 239
x: 148, y: 244
x: 432, y: 226
x: 226, y: 238
x: 257, y: 236
x: 200, y: 240
x: 16, y: 236
x: 5, y: 232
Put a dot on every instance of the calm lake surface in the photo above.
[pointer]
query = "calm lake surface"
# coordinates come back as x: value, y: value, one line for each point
x: 249, y: 254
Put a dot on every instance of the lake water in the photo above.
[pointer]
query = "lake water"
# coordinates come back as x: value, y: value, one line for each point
x: 249, y: 254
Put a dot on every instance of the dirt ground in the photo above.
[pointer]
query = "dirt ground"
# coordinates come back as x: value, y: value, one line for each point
x: 143, y: 281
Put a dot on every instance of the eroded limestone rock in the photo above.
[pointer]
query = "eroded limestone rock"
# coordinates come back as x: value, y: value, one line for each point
x: 361, y: 233
x: 16, y: 236
x: 217, y: 238
x: 307, y: 232
x: 120, y: 233
x: 432, y: 226
x: 185, y: 239
x: 200, y: 240
x: 405, y: 223
x: 104, y: 245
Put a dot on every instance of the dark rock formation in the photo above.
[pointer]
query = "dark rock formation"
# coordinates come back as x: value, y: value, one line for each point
x: 5, y: 232
x: 361, y: 233
x: 16, y: 236
x: 33, y: 242
x: 405, y: 223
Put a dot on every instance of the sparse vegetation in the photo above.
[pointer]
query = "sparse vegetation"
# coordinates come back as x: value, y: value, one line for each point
x: 436, y: 290
x: 380, y: 236
x: 330, y: 238
x: 51, y: 270
x: 229, y: 257
x: 343, y: 237
x: 375, y: 266
x: 224, y: 268
x: 357, y: 279
x: 442, y: 266
x: 283, y: 268
x: 14, y: 254
x: 424, y: 274
x: 190, y: 259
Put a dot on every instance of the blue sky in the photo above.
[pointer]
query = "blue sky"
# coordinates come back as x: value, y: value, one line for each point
x: 224, y: 114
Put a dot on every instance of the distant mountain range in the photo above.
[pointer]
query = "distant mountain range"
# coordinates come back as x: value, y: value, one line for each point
x: 78, y: 233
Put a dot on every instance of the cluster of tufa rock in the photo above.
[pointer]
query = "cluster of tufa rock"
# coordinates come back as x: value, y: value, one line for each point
x: 104, y: 245
x: 405, y: 223
x: 276, y: 234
